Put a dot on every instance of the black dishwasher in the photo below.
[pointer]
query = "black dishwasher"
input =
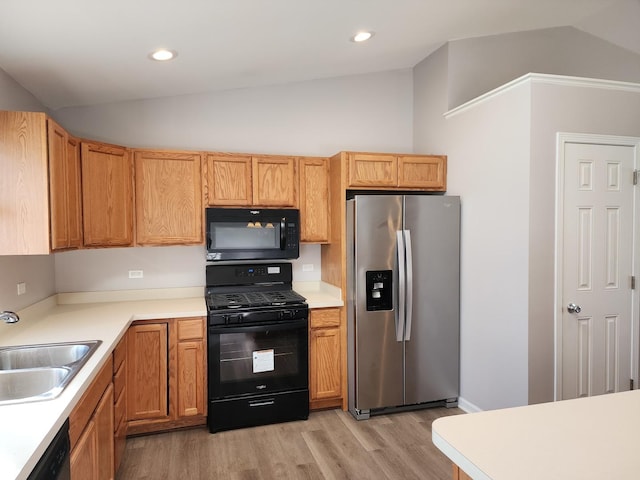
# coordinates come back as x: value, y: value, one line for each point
x: 54, y: 463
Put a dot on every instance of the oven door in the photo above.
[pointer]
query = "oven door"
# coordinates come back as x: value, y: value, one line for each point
x: 266, y: 358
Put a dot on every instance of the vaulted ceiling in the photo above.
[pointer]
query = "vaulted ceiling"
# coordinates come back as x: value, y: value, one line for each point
x: 82, y: 52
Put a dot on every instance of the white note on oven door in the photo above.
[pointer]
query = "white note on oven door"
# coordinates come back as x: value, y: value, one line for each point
x: 263, y: 361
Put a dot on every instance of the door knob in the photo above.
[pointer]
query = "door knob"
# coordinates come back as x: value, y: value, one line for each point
x: 573, y: 308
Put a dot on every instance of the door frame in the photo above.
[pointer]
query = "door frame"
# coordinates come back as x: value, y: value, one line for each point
x: 563, y: 138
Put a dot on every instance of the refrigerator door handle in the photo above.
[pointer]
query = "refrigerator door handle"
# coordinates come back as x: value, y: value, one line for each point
x: 402, y: 287
x: 409, y: 284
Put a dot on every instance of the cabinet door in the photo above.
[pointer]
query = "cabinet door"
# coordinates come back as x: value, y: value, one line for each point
x: 325, y: 364
x: 314, y: 199
x: 59, y: 205
x: 24, y: 208
x: 147, y: 371
x: 325, y: 352
x: 84, y: 457
x: 103, y: 419
x: 229, y: 180
x: 168, y: 192
x: 74, y: 192
x: 191, y: 378
x: 274, y: 182
x: 64, y: 188
x: 372, y: 170
x: 425, y: 172
x: 107, y: 195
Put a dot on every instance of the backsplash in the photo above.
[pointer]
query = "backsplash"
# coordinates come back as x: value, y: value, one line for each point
x: 162, y: 267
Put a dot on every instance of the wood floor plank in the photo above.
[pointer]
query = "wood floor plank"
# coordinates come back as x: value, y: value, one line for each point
x: 330, y: 445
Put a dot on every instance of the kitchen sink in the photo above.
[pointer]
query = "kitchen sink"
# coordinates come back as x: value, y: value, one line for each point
x: 32, y: 384
x: 40, y: 372
x: 47, y: 355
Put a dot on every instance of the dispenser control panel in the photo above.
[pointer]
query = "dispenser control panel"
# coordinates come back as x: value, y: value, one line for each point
x: 379, y: 284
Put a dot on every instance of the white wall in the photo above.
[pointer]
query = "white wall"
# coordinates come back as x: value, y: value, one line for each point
x: 35, y: 271
x: 488, y: 149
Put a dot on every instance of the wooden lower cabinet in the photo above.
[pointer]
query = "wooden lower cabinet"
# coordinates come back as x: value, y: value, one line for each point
x: 120, y: 401
x: 458, y: 473
x: 166, y: 375
x: 325, y: 358
x: 91, y: 431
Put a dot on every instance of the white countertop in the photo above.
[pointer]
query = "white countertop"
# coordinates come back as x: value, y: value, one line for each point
x: 593, y: 438
x: 27, y: 429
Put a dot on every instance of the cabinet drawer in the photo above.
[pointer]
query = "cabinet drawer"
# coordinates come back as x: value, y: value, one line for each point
x: 83, y: 411
x: 119, y: 380
x: 119, y: 354
x: 120, y: 410
x: 190, y: 328
x: 325, y: 317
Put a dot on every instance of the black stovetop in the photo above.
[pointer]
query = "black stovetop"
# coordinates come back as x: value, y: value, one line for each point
x: 250, y: 286
x: 220, y: 301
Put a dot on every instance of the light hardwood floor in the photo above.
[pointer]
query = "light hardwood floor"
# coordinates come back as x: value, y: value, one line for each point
x: 330, y: 445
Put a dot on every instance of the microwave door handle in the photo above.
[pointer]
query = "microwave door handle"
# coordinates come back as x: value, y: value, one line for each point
x: 283, y: 233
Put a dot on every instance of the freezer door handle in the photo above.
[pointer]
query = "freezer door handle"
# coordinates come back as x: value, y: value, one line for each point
x: 402, y: 286
x: 409, y: 284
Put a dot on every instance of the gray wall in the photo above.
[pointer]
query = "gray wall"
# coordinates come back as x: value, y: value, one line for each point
x: 477, y: 65
x: 488, y: 152
x: 36, y: 271
x: 363, y: 112
x: 557, y: 108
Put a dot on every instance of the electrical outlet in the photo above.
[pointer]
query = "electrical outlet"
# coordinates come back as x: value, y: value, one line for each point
x: 307, y: 267
x: 22, y: 288
x: 136, y: 273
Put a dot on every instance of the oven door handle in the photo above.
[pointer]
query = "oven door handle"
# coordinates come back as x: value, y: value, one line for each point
x: 258, y: 328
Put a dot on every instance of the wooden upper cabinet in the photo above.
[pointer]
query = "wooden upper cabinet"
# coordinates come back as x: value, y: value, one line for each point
x: 229, y: 180
x: 245, y: 181
x: 425, y: 172
x: 313, y: 174
x: 65, y: 188
x: 274, y: 181
x: 24, y: 202
x: 421, y: 172
x: 372, y: 170
x: 168, y: 197
x: 107, y: 193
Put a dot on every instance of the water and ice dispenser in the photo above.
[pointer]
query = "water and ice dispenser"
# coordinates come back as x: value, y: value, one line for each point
x: 379, y: 284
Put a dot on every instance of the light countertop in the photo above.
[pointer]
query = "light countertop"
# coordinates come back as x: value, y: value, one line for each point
x: 27, y: 429
x: 591, y: 438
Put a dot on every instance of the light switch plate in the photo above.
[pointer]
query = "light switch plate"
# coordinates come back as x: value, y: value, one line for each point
x: 136, y: 274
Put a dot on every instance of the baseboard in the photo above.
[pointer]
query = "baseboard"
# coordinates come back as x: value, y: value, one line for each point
x: 467, y: 406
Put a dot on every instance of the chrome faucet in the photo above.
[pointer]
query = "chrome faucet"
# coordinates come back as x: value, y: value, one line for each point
x: 9, y: 317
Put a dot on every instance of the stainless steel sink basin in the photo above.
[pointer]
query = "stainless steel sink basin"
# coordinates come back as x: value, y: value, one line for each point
x: 32, y: 384
x: 40, y: 372
x: 47, y: 355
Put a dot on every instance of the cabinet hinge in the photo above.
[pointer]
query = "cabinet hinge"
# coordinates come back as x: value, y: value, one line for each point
x: 631, y: 384
x: 633, y: 282
x: 635, y: 177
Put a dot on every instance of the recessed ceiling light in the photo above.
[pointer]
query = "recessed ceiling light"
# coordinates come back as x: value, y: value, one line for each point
x: 361, y: 37
x: 162, y: 55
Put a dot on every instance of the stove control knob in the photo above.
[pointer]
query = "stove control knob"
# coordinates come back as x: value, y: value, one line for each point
x: 235, y: 318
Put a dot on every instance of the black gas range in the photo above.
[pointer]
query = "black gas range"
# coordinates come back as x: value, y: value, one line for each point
x: 258, y: 346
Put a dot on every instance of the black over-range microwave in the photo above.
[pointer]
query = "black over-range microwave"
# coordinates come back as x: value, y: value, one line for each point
x: 252, y: 234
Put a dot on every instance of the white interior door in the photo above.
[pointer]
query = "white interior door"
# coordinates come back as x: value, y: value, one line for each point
x: 597, y: 267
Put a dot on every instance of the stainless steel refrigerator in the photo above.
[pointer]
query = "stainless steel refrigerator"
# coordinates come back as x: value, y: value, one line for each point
x: 403, y: 270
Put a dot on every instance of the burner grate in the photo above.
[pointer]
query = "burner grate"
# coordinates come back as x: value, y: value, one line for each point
x: 218, y: 301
